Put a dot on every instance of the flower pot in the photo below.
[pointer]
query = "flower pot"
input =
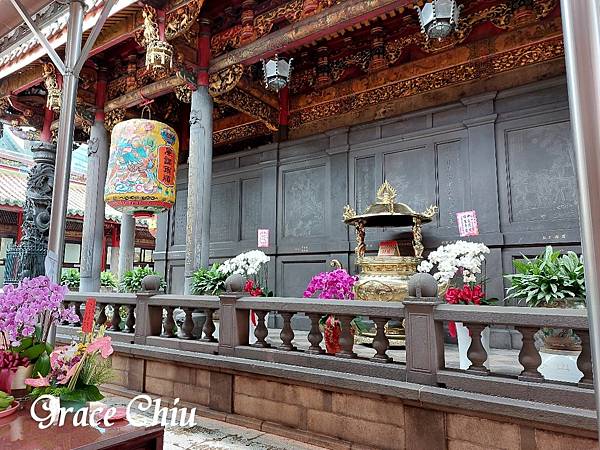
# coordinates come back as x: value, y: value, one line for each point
x: 18, y: 381
x: 331, y: 333
x: 560, y: 365
x: 464, y: 342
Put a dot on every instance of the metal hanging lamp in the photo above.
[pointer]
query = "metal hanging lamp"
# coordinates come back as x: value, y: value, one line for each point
x: 439, y: 18
x: 277, y: 72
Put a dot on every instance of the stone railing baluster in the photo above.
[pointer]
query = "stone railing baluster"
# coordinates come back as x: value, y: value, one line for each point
x: 115, y: 324
x: 346, y: 338
x: 209, y: 326
x: 476, y: 352
x: 287, y: 333
x: 130, y: 324
x: 261, y: 331
x: 102, y: 319
x: 188, y: 324
x: 529, y: 356
x: 78, y: 311
x: 584, y: 360
x: 315, y: 337
x: 169, y: 323
x: 380, y: 342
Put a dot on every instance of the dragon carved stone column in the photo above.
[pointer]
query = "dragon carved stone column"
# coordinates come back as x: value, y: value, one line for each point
x: 26, y: 259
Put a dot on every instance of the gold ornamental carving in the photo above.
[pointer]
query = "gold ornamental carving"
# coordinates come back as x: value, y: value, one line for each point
x: 181, y: 20
x: 472, y: 70
x: 247, y: 103
x: 53, y: 96
x: 225, y: 80
x: 240, y: 132
x: 113, y: 117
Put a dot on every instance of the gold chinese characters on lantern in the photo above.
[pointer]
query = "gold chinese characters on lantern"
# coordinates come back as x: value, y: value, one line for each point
x: 142, y: 165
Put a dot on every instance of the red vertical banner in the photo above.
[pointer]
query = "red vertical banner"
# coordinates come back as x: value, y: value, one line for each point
x: 87, y: 325
x: 166, y: 165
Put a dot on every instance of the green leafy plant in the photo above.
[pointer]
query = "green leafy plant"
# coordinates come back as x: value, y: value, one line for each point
x: 549, y: 280
x: 208, y: 281
x: 109, y: 280
x: 132, y: 279
x: 71, y: 279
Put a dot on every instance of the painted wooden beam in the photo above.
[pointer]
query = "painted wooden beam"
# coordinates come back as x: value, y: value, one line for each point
x: 314, y: 27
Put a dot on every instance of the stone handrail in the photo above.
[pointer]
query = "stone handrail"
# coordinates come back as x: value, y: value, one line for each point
x: 514, y: 315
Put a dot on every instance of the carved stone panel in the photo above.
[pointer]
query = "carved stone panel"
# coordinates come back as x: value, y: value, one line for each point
x: 224, y: 212
x: 451, y: 182
x: 413, y: 173
x: 251, y: 207
x: 304, y: 201
x: 364, y: 182
x: 541, y: 175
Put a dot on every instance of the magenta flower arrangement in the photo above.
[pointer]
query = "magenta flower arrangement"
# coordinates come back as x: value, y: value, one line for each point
x: 36, y: 302
x: 26, y: 314
x: 337, y: 284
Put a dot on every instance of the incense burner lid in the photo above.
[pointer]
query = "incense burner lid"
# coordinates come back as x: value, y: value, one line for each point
x: 386, y: 212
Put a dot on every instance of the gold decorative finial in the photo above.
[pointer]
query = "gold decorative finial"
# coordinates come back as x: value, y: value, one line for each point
x: 349, y: 213
x: 386, y: 195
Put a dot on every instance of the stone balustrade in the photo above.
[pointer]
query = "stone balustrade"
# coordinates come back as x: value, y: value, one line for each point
x: 219, y: 326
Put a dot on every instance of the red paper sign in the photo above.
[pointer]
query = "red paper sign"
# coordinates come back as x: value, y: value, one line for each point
x: 166, y: 165
x: 467, y: 223
x: 88, y: 318
x: 388, y: 248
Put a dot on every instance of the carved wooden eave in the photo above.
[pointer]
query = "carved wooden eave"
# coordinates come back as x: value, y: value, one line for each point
x: 310, y: 29
x: 383, y: 94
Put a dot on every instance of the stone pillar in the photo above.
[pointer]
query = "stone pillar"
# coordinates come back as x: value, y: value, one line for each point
x: 200, y: 165
x: 93, y: 222
x: 114, y: 260
x: 126, y: 249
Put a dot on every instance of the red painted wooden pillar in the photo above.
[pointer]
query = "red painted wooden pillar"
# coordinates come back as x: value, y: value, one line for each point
x: 19, y: 226
x: 46, y: 134
x: 284, y: 113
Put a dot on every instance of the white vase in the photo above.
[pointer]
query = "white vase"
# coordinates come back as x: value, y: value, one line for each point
x: 560, y: 365
x: 22, y: 373
x: 464, y: 342
x: 251, y: 338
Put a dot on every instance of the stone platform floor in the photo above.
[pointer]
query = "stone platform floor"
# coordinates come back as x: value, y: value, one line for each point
x: 209, y: 434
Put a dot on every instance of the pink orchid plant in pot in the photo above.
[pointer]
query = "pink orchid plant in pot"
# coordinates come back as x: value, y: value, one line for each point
x: 337, y: 284
x: 78, y: 369
x: 27, y: 312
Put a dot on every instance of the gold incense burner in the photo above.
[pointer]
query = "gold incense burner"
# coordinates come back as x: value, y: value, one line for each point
x: 385, y: 277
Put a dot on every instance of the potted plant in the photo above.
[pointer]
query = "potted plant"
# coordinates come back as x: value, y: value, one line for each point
x: 77, y: 370
x: 460, y: 268
x: 27, y: 312
x: 70, y: 278
x: 337, y: 284
x: 132, y: 279
x: 108, y: 282
x: 552, y: 280
x: 252, y: 265
x: 209, y: 281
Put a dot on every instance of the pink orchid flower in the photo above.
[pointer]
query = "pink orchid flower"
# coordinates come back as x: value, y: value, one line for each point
x: 102, y: 344
x: 37, y: 382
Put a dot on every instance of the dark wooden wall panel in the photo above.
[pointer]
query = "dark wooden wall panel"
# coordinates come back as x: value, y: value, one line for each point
x: 508, y: 155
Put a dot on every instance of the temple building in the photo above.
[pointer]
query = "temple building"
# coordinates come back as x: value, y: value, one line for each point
x: 475, y: 121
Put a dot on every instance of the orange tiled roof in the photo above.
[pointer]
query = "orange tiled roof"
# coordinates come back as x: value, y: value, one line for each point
x: 13, y: 184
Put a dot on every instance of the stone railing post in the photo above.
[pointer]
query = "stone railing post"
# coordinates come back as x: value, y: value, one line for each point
x: 234, y: 324
x: 424, y: 336
x: 148, y: 318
